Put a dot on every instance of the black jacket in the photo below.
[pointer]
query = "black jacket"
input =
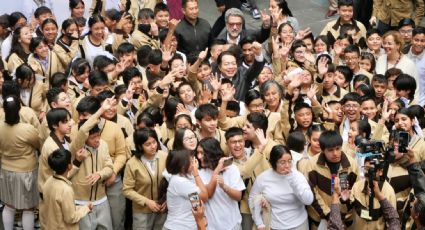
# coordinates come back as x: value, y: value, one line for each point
x: 260, y: 35
x: 192, y: 39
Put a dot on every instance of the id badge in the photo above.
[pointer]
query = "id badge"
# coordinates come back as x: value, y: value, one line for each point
x: 365, y: 214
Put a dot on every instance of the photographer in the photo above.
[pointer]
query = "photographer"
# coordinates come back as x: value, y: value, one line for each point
x: 382, y: 213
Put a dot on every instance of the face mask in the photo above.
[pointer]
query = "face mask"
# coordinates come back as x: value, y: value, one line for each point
x: 144, y: 28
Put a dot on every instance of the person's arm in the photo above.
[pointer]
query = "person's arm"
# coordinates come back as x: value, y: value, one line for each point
x: 301, y: 187
x: 255, y: 203
x: 64, y: 57
x: 200, y: 218
x: 72, y: 214
x: 258, y: 65
x: 392, y: 221
x: 203, y: 189
x: 335, y: 220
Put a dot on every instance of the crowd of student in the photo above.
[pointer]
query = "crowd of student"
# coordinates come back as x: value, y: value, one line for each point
x: 136, y: 119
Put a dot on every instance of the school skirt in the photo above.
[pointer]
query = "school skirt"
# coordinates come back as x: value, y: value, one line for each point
x: 19, y: 189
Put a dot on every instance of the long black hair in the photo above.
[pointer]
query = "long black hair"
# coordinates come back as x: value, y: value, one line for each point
x: 12, y: 106
x: 17, y: 48
x: 140, y: 136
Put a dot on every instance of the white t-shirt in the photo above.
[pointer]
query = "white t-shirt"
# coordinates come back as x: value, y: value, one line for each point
x: 180, y: 215
x: 222, y: 212
x: 92, y: 51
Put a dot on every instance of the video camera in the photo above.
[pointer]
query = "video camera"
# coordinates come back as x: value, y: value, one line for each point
x: 375, y: 149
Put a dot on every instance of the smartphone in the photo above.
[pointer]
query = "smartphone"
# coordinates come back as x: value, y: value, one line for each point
x: 228, y: 162
x: 403, y: 142
x: 343, y: 180
x: 194, y: 200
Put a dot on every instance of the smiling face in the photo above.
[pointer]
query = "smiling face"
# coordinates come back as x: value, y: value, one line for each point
x: 178, y: 64
x: 314, y: 142
x: 272, y: 97
x: 162, y: 18
x: 50, y: 32
x: 248, y: 53
x: 78, y: 11
x: 191, y: 11
x: 189, y: 140
x: 110, y: 113
x: 97, y: 30
x: 236, y: 146
x: 228, y: 66
x: 287, y: 34
x: 340, y: 79
x: 209, y: 124
x: 374, y: 42
x: 256, y: 106
x: 63, y: 101
x: 403, y: 122
x: 265, y: 75
x: 42, y: 50
x: 352, y: 110
x: 346, y: 13
x: 186, y: 94
x: 390, y: 45
x: 369, y: 109
x: 418, y: 43
x: 248, y: 131
x: 25, y: 36
x: 299, y: 54
x: 353, y: 132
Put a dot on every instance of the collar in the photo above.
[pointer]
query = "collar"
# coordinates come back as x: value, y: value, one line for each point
x: 60, y: 177
x: 336, y: 94
x: 338, y: 24
x: 345, y: 163
x: 57, y: 141
x: 144, y: 159
x: 228, y: 38
x: 188, y: 22
x: 413, y: 56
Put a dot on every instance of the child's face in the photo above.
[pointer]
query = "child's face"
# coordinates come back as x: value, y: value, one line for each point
x: 328, y: 81
x: 418, y: 43
x: 186, y: 94
x: 179, y: 65
x: 353, y: 34
x: 366, y: 65
x: 127, y: 27
x: 65, y: 127
x: 369, y: 109
x: 93, y: 140
x: 266, y: 74
x: 354, y: 131
x: 162, y: 18
x: 204, y: 72
x: 138, y: 86
x: 340, y: 79
x: 309, y: 43
x: 379, y: 88
x: 128, y: 57
x: 320, y: 46
x: 215, y: 51
x: 336, y: 107
x: 304, y: 117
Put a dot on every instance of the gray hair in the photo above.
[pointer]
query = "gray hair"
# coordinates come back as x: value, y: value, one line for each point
x: 269, y: 84
x: 234, y: 12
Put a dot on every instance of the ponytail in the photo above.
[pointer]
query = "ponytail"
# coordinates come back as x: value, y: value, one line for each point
x: 12, y: 106
x: 127, y: 5
x: 98, y: 7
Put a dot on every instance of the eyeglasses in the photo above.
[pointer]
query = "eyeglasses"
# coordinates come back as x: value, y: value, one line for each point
x: 238, y: 24
x: 186, y: 139
x: 283, y: 163
x: 351, y: 59
x: 351, y: 106
x: 409, y: 31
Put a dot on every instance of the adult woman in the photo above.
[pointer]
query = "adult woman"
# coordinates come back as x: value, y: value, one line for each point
x: 49, y: 27
x: 184, y: 181
x: 281, y: 13
x: 392, y: 43
x: 20, y: 48
x: 33, y: 92
x: 77, y: 8
x: 18, y: 154
x: 271, y: 92
x: 66, y: 47
x: 93, y: 43
x: 287, y: 191
x: 185, y: 139
x: 43, y: 61
x: 142, y: 176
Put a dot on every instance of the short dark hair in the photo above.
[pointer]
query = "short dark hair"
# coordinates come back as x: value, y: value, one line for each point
x: 418, y: 30
x: 129, y: 74
x: 102, y: 96
x: 276, y: 153
x: 53, y: 94
x: 35, y: 42
x: 42, y: 10
x: 361, y: 77
x: 352, y: 96
x: 140, y: 136
x: 346, y: 71
x: 233, y: 106
x: 145, y: 13
x: 102, y: 61
x: 59, y: 160
x: 184, y: 2
x: 330, y: 139
x: 301, y: 105
x: 405, y: 82
x: 125, y: 48
x: 155, y: 57
x: 315, y: 128
x: 56, y: 115
x: 406, y: 22
x: 178, y: 161
x: 160, y: 6
x: 380, y: 78
x: 296, y: 141
x: 352, y: 49
x: 88, y: 104
x: 143, y: 54
x: 113, y: 14
x: 246, y: 40
x: 97, y: 78
x: 233, y: 131
x: 258, y: 120
x: 205, y: 110
x: 345, y: 3
x: 58, y: 79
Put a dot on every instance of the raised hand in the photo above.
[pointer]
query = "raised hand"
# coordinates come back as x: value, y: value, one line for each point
x: 259, y: 134
x: 302, y: 33
x: 312, y: 91
x: 206, y: 95
x: 215, y: 82
x: 167, y: 54
x: 257, y: 48
x: 203, y: 54
x: 108, y: 103
x: 322, y: 65
x: 265, y: 18
x: 123, y: 20
x: 172, y: 24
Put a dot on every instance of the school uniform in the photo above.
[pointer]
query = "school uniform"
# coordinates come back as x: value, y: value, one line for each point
x: 14, y: 62
x: 52, y: 66
x: 320, y: 178
x: 58, y: 205
x: 219, y: 136
x: 18, y: 169
x: 139, y: 39
x: 35, y: 97
x: 332, y: 28
x: 142, y: 178
x: 97, y: 160
x: 360, y: 202
x: 65, y: 53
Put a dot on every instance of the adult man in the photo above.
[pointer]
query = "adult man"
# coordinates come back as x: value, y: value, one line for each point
x: 416, y: 54
x: 192, y: 33
x: 235, y: 32
x: 345, y: 9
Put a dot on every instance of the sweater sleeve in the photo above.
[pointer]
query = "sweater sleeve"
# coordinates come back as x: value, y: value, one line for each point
x: 392, y: 220
x: 255, y: 203
x: 301, y: 187
x: 335, y: 221
x: 129, y: 184
x: 72, y: 214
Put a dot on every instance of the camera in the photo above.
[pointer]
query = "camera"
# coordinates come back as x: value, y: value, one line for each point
x: 375, y: 149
